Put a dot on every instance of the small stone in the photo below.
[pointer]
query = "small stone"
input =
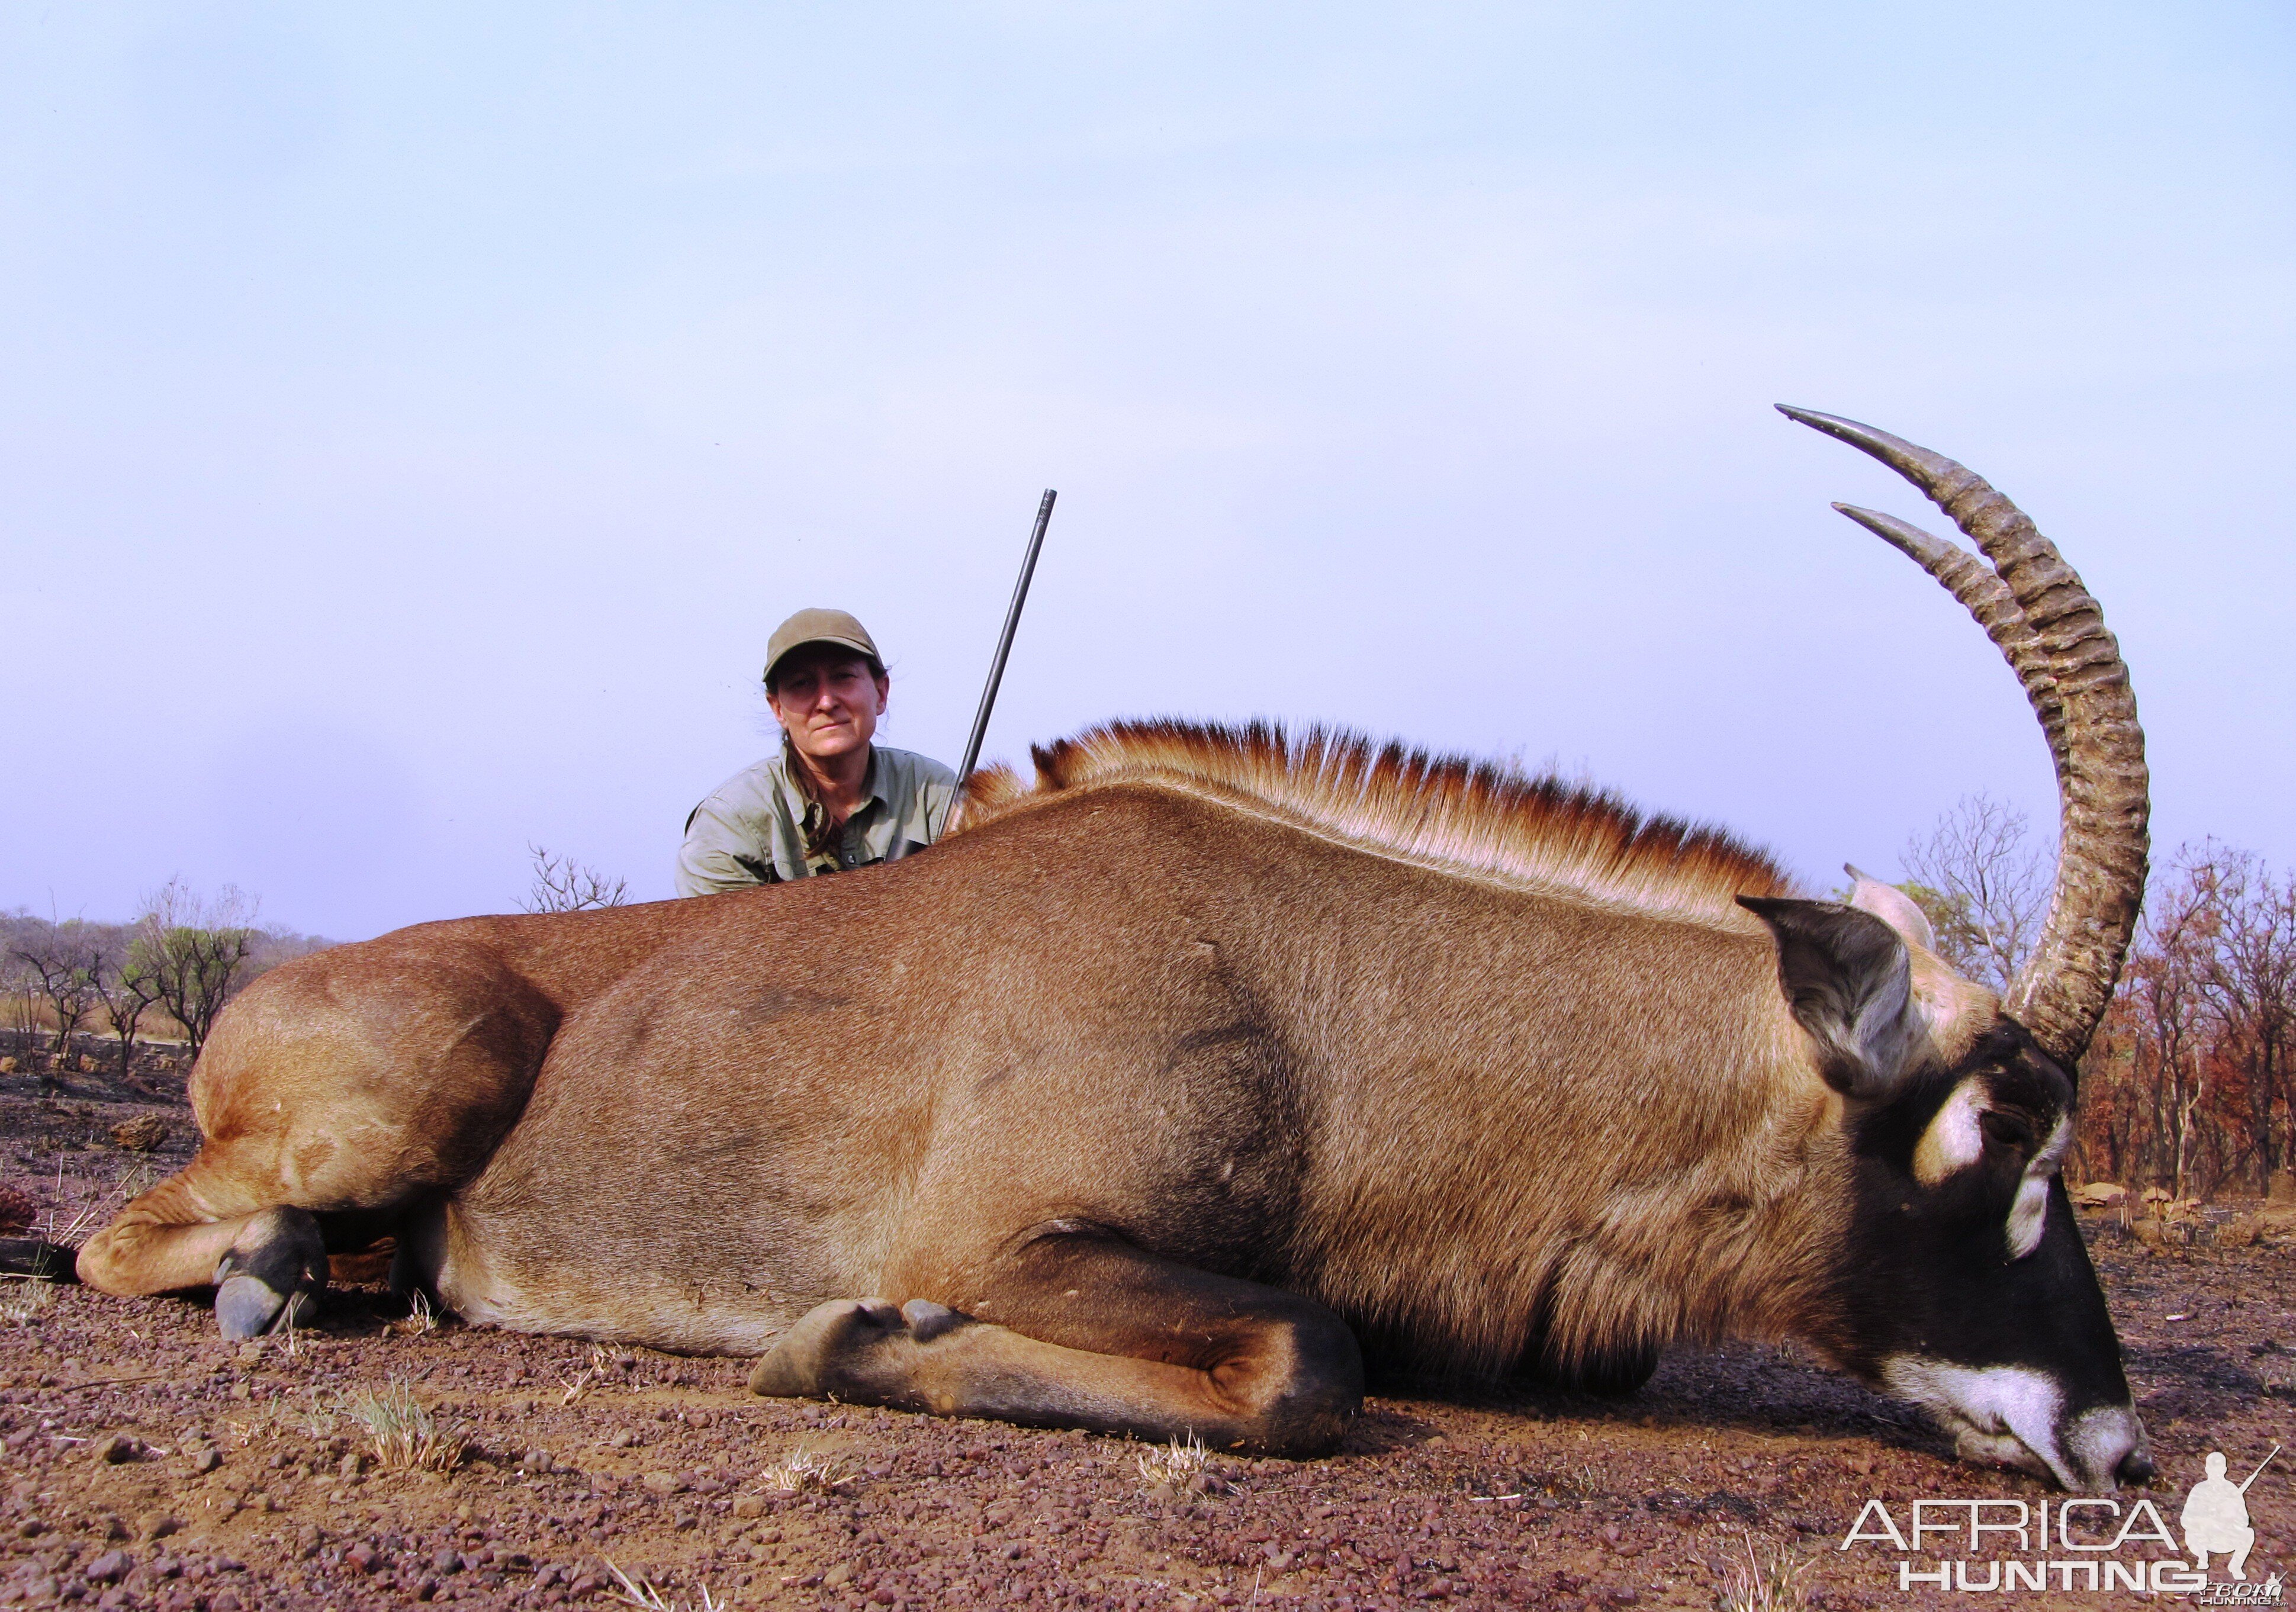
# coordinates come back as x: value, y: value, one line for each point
x: 155, y: 1525
x: 838, y: 1576
x: 117, y: 1448
x: 748, y: 1505
x: 31, y: 1527
x: 662, y: 1483
x: 109, y: 1567
x: 140, y: 1135
x: 446, y: 1561
x: 206, y: 1460
x: 364, y: 1557
x: 225, y: 1601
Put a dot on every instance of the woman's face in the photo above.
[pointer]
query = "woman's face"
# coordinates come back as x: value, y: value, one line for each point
x: 828, y: 703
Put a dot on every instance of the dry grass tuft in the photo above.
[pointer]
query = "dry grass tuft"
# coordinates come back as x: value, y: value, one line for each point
x: 1173, y: 1464
x: 644, y: 1593
x: 1769, y: 1580
x: 589, y: 1377
x: 420, y: 1316
x: 801, y: 1471
x: 404, y: 1437
x: 26, y: 1301
x: 98, y: 1203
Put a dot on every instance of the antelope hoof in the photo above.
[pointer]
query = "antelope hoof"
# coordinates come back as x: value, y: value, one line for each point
x: 800, y: 1366
x: 928, y: 1320
x: 832, y: 1345
x: 272, y: 1276
x: 1617, y: 1373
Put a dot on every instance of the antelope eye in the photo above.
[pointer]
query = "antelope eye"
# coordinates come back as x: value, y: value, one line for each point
x: 2008, y: 1130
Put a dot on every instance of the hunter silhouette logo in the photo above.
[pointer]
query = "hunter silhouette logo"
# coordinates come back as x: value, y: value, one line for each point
x: 2215, y: 1518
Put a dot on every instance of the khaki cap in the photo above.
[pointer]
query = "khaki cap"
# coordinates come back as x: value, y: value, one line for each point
x: 818, y: 626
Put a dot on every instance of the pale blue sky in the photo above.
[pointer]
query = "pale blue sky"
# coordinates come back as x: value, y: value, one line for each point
x: 413, y: 422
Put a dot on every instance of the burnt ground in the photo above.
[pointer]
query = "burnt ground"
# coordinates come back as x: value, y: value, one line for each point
x: 148, y: 1463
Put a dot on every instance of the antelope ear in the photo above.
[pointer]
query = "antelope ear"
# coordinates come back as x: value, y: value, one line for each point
x: 1892, y: 906
x: 1848, y: 982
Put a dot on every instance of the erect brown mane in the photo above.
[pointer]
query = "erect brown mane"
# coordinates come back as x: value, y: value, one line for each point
x: 1475, y: 815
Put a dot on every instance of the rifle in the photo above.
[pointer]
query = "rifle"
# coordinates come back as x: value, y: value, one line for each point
x: 1004, y: 648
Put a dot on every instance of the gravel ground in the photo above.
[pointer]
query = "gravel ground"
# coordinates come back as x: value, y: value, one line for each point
x: 150, y: 1464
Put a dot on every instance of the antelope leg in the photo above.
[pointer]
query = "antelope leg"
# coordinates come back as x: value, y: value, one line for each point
x: 1092, y: 1332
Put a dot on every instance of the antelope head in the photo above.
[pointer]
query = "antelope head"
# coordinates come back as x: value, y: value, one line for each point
x: 1964, y: 1283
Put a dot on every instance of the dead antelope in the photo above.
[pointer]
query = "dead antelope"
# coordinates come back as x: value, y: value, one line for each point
x: 1214, y: 1063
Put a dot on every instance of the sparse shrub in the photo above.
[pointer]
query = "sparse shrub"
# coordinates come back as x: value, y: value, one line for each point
x: 802, y: 1470
x: 644, y: 1593
x: 23, y: 1301
x: 420, y: 1316
x: 404, y: 1436
x: 1769, y: 1580
x: 1174, y: 1464
x: 563, y: 885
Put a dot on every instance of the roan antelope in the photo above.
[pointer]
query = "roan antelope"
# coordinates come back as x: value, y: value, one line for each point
x: 1180, y: 1083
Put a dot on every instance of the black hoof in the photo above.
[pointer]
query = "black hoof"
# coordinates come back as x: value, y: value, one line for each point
x: 1615, y: 1373
x: 248, y: 1306
x: 272, y: 1276
x: 928, y: 1320
x: 1605, y: 1373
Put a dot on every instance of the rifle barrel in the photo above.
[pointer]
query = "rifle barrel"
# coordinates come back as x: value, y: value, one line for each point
x: 2259, y: 1469
x: 1004, y: 642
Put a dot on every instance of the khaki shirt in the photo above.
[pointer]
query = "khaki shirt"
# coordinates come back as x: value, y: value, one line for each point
x: 752, y: 828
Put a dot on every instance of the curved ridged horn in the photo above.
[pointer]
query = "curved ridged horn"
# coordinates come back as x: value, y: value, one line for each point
x: 2102, y: 780
x: 1984, y: 596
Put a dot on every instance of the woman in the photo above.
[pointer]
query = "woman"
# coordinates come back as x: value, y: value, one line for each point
x: 832, y: 799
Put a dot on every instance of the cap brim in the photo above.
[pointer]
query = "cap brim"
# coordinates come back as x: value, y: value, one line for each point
x: 866, y: 651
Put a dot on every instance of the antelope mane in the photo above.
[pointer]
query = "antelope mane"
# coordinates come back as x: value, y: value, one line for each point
x: 1475, y: 817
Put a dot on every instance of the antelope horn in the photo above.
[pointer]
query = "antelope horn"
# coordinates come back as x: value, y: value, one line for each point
x: 2102, y: 800
x: 1988, y: 598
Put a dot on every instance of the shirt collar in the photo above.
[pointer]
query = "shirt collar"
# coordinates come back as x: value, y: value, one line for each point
x: 872, y: 784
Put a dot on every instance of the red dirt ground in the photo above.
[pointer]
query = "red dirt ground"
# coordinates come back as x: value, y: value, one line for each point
x: 150, y: 1464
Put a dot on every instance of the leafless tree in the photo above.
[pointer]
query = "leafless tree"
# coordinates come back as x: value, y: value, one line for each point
x: 194, y: 949
x: 2251, y: 987
x: 563, y: 885
x: 63, y: 965
x: 1982, y: 877
x: 2169, y: 976
x: 23, y: 992
x: 128, y: 989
